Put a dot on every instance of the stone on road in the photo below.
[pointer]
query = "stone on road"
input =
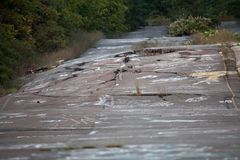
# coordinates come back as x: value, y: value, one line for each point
x: 120, y: 101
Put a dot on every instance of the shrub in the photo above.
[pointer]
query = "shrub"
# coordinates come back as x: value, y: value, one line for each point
x: 237, y: 36
x: 215, y: 36
x: 190, y: 25
x: 157, y: 20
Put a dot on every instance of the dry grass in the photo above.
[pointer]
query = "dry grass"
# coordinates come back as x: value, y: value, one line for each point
x: 2, y: 91
x: 89, y: 147
x: 114, y: 146
x: 221, y: 36
x: 81, y: 41
x: 138, y: 90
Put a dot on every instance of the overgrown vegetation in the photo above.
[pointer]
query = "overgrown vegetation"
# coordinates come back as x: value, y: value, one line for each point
x: 190, y: 25
x: 157, y: 20
x: 33, y: 31
x: 214, y: 9
x: 80, y: 42
x: 215, y: 36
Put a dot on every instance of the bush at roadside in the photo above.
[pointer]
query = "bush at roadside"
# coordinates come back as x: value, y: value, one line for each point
x: 190, y: 25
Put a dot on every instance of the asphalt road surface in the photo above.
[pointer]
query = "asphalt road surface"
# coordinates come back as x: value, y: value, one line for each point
x: 125, y: 101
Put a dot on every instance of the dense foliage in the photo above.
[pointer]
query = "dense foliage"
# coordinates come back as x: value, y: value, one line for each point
x: 29, y: 28
x: 217, y: 10
x: 138, y: 12
x: 190, y: 25
x: 33, y: 27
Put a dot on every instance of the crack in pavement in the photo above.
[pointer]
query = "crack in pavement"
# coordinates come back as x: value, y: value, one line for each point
x: 229, y: 65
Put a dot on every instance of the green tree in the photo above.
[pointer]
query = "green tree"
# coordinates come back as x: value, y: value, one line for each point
x: 103, y: 15
x: 233, y: 8
x: 138, y: 12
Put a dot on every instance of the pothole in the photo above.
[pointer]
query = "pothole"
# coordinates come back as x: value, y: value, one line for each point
x: 74, y: 69
x: 81, y: 64
x: 78, y: 69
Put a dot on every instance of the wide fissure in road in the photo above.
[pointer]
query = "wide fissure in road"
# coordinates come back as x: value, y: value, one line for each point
x: 124, y: 100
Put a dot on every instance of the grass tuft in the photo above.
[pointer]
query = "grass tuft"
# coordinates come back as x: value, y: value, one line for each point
x: 138, y: 91
x: 114, y: 146
x: 89, y: 147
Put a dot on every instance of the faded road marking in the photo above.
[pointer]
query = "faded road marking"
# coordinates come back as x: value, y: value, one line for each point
x: 196, y: 99
x: 211, y: 76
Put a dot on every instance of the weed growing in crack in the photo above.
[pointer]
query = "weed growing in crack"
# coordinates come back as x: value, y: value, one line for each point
x: 114, y: 146
x: 138, y: 91
x: 89, y: 147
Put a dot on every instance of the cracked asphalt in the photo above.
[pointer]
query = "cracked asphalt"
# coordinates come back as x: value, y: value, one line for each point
x: 125, y: 100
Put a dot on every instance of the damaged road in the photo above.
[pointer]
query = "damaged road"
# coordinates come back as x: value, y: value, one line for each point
x: 120, y: 101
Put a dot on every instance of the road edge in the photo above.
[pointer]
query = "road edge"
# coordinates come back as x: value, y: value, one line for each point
x: 236, y: 51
